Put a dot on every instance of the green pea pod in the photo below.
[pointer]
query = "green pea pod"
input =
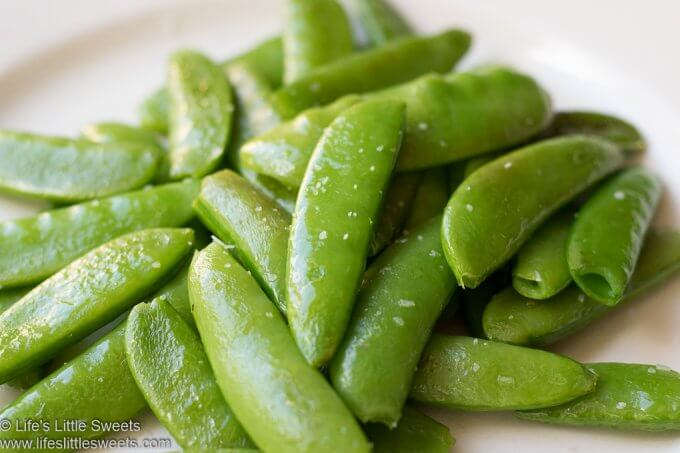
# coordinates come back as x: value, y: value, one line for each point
x: 476, y: 163
x: 34, y: 248
x: 394, y: 316
x: 70, y: 170
x: 176, y: 294
x: 284, y: 404
x: 241, y: 215
x: 540, y: 270
x: 393, y: 63
x: 337, y: 206
x: 467, y: 373
x: 609, y: 127
x: 474, y: 301
x: 154, y: 112
x: 512, y: 318
x: 282, y: 195
x: 416, y: 432
x: 522, y: 188
x: 200, y: 114
x: 627, y: 396
x: 380, y: 22
x: 9, y: 297
x: 431, y: 198
x: 167, y: 360
x: 608, y: 233
x: 86, y: 295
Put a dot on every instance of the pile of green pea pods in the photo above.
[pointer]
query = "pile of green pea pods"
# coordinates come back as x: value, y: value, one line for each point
x: 358, y: 191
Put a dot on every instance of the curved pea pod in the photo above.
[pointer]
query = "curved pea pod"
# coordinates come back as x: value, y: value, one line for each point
x: 430, y: 199
x: 95, y: 387
x: 607, y: 236
x: 415, y: 432
x: 512, y: 318
x: 467, y: 373
x: 86, y: 295
x: 523, y: 189
x: 387, y: 65
x: 201, y: 109
x: 609, y: 127
x: 541, y: 270
x: 379, y: 21
x: 284, y: 404
x: 34, y: 248
x: 69, y: 170
x: 282, y: 195
x: 392, y: 321
x: 337, y: 206
x: 627, y: 396
x: 176, y: 294
x: 167, y: 360
x: 258, y: 228
x: 154, y: 111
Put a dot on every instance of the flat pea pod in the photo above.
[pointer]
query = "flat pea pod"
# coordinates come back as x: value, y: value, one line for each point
x: 201, y: 107
x: 540, y: 270
x: 176, y: 294
x: 337, y: 206
x: 472, y: 374
x: 70, y: 170
x: 282, y: 195
x: 393, y: 63
x: 607, y: 235
x: 239, y: 214
x: 284, y: 404
x: 430, y: 199
x: 416, y: 432
x: 409, y: 286
x: 512, y: 318
x: 523, y: 189
x: 36, y: 247
x: 86, y: 295
x: 627, y: 396
x: 380, y: 22
x: 167, y: 360
x: 95, y: 387
x: 315, y: 33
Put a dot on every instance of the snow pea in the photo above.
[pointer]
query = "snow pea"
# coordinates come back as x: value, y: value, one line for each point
x: 241, y: 215
x: 86, y: 295
x: 607, y: 235
x: 392, y: 321
x: 511, y: 318
x: 201, y: 108
x: 282, y: 195
x: 284, y: 404
x: 522, y: 188
x: 540, y: 270
x: 472, y: 374
x: 34, y: 248
x: 416, y: 432
x: 315, y: 33
x: 380, y: 22
x: 431, y: 198
x: 167, y: 360
x: 69, y: 170
x: 337, y: 206
x: 627, y: 396
x: 387, y: 65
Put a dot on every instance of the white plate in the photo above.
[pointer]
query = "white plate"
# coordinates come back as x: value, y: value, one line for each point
x: 64, y: 64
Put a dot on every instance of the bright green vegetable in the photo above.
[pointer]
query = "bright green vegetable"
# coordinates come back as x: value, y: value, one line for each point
x: 408, y: 287
x: 154, y: 112
x: 499, y: 206
x: 474, y: 301
x: 627, y: 396
x: 607, y: 236
x: 333, y: 222
x: 380, y: 21
x: 282, y: 195
x: 467, y: 373
x: 9, y: 297
x: 431, y: 198
x: 283, y: 403
x: 86, y: 295
x: 416, y: 432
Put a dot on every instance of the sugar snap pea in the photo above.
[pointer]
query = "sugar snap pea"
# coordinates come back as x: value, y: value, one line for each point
x: 282, y: 195
x: 167, y: 360
x: 337, y: 206
x: 380, y: 21
x: 9, y: 297
x: 627, y: 396
x: 474, y: 301
x: 34, y: 248
x: 283, y: 403
x: 431, y: 198
x: 85, y: 295
x: 200, y: 114
x: 607, y: 235
x: 154, y: 111
x: 523, y: 188
x: 416, y: 432
x: 392, y: 321
x: 241, y: 215
x: 393, y: 63
x: 512, y: 318
x: 69, y: 170
x: 472, y: 374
